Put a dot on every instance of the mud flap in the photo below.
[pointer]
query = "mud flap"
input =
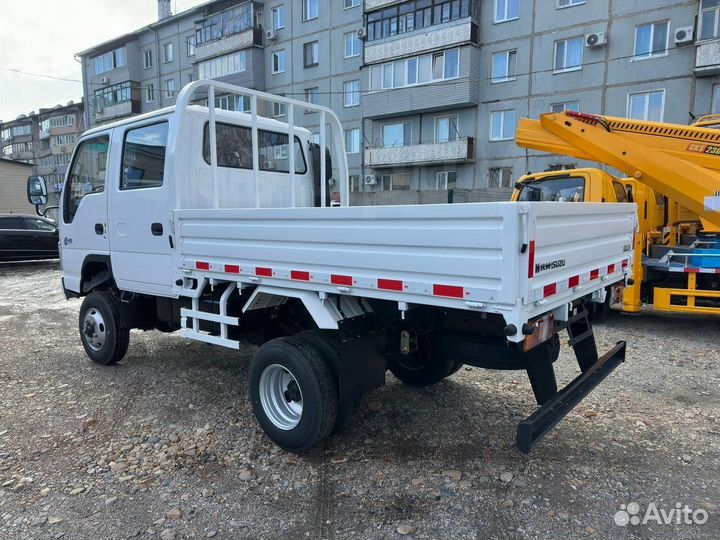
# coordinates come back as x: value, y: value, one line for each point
x: 537, y: 425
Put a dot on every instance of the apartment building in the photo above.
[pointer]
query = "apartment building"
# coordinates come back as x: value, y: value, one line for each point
x: 46, y: 140
x: 429, y: 91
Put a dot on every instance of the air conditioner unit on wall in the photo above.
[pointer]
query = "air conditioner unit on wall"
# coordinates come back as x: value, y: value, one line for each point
x: 105, y: 80
x: 684, y: 35
x: 270, y: 35
x: 596, y: 39
x: 370, y: 180
x: 362, y: 32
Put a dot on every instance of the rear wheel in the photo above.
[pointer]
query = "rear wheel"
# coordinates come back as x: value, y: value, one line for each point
x: 104, y: 339
x: 422, y: 367
x: 293, y: 393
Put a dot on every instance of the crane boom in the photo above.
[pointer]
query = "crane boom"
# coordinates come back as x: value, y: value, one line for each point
x: 680, y: 162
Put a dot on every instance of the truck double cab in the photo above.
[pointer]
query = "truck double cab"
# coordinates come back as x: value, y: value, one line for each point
x: 208, y: 222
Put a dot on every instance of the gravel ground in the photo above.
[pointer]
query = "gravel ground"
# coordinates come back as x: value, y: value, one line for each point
x: 164, y: 445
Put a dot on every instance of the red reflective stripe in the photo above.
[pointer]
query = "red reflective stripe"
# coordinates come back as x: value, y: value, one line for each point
x: 549, y: 290
x: 450, y: 291
x: 232, y: 269
x: 202, y: 265
x: 574, y: 281
x: 531, y: 259
x: 266, y: 272
x: 595, y: 274
x: 337, y: 279
x: 692, y: 270
x: 390, y: 284
x: 300, y: 275
x: 611, y: 269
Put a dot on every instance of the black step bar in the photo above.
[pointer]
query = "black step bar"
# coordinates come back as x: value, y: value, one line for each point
x: 537, y: 425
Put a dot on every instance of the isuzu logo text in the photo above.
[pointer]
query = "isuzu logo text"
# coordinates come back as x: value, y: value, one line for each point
x: 541, y: 267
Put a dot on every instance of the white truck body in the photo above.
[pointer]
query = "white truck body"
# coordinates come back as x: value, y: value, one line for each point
x: 206, y: 221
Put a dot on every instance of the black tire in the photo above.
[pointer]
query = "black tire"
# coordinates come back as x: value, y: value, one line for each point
x: 455, y: 368
x: 328, y: 343
x: 116, y: 338
x: 317, y: 386
x: 423, y: 367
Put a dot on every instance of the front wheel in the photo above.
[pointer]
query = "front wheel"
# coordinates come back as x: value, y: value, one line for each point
x: 104, y: 339
x: 293, y: 393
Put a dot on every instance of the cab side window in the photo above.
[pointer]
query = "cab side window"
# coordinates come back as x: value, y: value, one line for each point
x: 144, y: 157
x: 87, y: 174
x: 620, y: 193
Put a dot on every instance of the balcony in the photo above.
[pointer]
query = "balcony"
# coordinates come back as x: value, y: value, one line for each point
x: 118, y: 110
x: 240, y: 40
x: 372, y: 5
x: 459, y: 151
x: 451, y: 94
x: 441, y: 36
x: 707, y: 59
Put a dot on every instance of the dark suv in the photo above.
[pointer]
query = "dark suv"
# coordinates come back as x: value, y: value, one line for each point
x: 27, y: 237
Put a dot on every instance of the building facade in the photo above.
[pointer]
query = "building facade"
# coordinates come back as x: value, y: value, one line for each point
x: 429, y: 91
x: 45, y: 140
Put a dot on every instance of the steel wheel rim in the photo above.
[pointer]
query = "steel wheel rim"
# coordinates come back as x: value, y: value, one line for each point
x: 281, y: 397
x: 94, y: 329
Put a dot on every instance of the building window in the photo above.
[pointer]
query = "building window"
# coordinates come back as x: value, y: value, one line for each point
x: 190, y: 45
x: 59, y: 140
x: 648, y: 106
x: 569, y: 3
x: 397, y: 134
x: 396, y: 182
x: 416, y: 70
x: 352, y: 141
x: 355, y: 184
x: 55, y: 122
x: 311, y: 53
x: 569, y: 54
x: 167, y: 52
x: 352, y: 44
x: 233, y: 102
x: 150, y: 93
x: 279, y: 109
x: 709, y: 18
x: 278, y: 61
x: 565, y: 106
x: 504, y: 66
x: 561, y: 166
x: 278, y: 17
x: 312, y: 95
x: 110, y: 60
x: 169, y: 88
x: 500, y: 177
x: 445, y: 179
x: 16, y: 131
x: 502, y: 125
x: 351, y: 93
x: 446, y: 129
x: 410, y: 16
x: 651, y: 39
x: 112, y: 95
x: 351, y: 3
x: 507, y: 10
x: 716, y: 99
x: 222, y: 65
x: 147, y: 58
x: 310, y: 9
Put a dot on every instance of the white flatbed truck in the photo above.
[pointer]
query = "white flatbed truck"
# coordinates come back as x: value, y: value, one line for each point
x: 203, y: 221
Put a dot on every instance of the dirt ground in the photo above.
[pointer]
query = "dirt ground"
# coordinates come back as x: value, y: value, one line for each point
x: 164, y: 445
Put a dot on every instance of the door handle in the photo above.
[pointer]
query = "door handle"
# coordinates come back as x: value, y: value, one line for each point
x: 99, y: 228
x: 156, y: 229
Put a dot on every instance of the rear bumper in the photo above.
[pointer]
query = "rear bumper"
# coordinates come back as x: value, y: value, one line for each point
x: 537, y: 425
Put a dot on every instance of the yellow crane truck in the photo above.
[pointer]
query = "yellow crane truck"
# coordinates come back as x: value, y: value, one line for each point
x: 673, y: 176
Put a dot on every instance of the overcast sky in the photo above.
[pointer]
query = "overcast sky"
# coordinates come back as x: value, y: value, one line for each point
x: 42, y: 36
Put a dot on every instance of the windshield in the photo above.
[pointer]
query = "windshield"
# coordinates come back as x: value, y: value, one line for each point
x: 567, y: 189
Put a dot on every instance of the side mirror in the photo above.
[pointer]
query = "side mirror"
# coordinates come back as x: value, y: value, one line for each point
x: 37, y: 191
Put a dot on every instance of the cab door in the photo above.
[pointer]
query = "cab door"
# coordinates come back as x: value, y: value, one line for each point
x: 83, y: 227
x: 140, y: 239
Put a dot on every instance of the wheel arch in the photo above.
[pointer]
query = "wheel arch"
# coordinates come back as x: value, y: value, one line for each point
x: 96, y: 273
